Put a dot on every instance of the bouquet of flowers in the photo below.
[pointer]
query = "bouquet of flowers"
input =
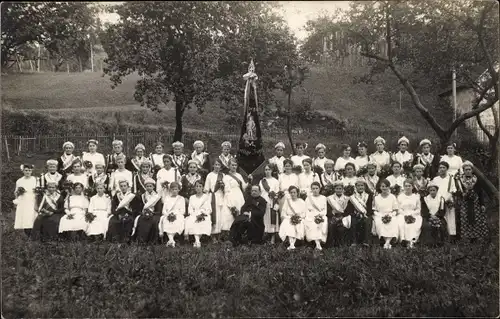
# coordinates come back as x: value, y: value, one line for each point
x: 303, y: 195
x: 435, y: 222
x: 234, y: 211
x: 362, y: 171
x: 281, y: 194
x: 449, y: 203
x: 327, y: 190
x: 318, y: 219
x: 349, y: 190
x: 336, y: 220
x: 386, y: 219
x: 70, y: 216
x: 125, y: 217
x: 157, y: 168
x: 396, y: 189
x: 45, y: 212
x: 171, y: 217
x: 317, y: 169
x: 201, y: 217
x: 148, y: 213
x: 407, y: 168
x: 87, y: 164
x: 385, y: 171
x: 273, y: 195
x: 297, y: 169
x: 89, y: 217
x: 295, y: 219
x: 88, y: 192
x: 165, y: 184
x: 409, y: 219
x: 20, y: 191
x: 39, y: 190
x: 221, y: 185
x: 340, y: 173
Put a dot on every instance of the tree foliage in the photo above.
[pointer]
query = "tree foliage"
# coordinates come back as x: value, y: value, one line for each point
x: 197, y: 52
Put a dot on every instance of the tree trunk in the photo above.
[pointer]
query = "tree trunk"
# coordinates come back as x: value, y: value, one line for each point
x: 289, y: 121
x: 493, y: 148
x: 179, y: 112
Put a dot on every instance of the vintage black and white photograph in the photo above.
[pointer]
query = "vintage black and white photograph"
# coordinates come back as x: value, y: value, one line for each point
x: 225, y: 159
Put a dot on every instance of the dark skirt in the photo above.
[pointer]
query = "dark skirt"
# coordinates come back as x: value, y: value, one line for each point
x: 46, y: 228
x: 147, y: 229
x: 361, y: 230
x: 120, y: 230
x: 430, y: 235
x: 473, y: 222
x: 337, y: 234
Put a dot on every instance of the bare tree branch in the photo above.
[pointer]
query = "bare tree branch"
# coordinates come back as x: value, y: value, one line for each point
x: 375, y: 57
x: 470, y: 114
x: 483, y: 128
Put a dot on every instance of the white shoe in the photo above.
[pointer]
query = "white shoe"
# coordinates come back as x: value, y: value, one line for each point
x: 173, y: 244
x: 319, y: 248
x: 291, y: 248
x: 197, y: 245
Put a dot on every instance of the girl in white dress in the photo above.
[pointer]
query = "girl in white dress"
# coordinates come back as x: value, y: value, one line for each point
x: 198, y: 221
x: 214, y: 187
x: 288, y: 178
x: 306, y: 178
x: 174, y: 208
x: 344, y: 159
x: 121, y: 173
x: 396, y: 178
x: 403, y: 156
x: 278, y: 159
x: 446, y: 188
x: 270, y: 185
x: 454, y: 161
x: 75, y: 207
x: 409, y: 205
x: 100, y: 206
x: 234, y: 186
x: 292, y: 216
x: 78, y: 176
x: 25, y: 200
x: 362, y: 159
x: 320, y: 159
x: 349, y: 175
x: 157, y: 157
x: 297, y: 159
x: 380, y: 157
x: 316, y: 229
x: 92, y: 156
x: 385, y: 210
x: 166, y: 176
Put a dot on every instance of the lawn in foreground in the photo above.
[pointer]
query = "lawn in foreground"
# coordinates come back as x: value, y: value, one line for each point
x: 111, y: 280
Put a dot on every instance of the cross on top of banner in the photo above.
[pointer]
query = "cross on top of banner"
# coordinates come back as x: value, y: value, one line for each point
x: 251, y: 72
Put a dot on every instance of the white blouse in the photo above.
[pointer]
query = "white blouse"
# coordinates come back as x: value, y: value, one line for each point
x: 402, y: 157
x: 278, y: 162
x: 381, y: 159
x: 382, y: 206
x: 361, y: 161
x: 273, y: 187
x: 157, y: 159
x: 292, y: 207
x: 285, y: 181
x: 93, y: 158
x: 433, y: 203
x: 455, y: 163
x: 409, y: 205
x: 305, y: 181
x: 164, y: 175
x: 83, y: 179
x: 349, y: 181
x: 396, y: 180
x: 198, y: 205
x: 100, y: 204
x: 340, y: 163
x: 320, y: 203
x: 297, y: 160
x: 445, y: 188
x: 320, y: 162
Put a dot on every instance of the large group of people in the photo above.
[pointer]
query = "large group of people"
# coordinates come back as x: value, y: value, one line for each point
x: 383, y: 198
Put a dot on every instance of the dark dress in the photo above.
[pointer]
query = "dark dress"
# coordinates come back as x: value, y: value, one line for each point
x: 62, y: 169
x: 133, y: 165
x: 433, y: 233
x: 188, y: 187
x: 338, y: 234
x: 47, y: 227
x: 56, y: 177
x: 146, y: 227
x: 249, y: 230
x: 361, y: 210
x: 181, y: 163
x: 430, y: 168
x: 111, y: 162
x: 473, y: 221
x: 93, y: 180
x: 138, y: 182
x: 122, y: 222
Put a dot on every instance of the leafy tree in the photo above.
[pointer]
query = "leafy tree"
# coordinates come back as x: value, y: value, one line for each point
x: 196, y: 52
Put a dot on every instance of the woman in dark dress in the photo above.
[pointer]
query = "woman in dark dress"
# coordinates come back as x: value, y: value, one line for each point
x: 145, y: 172
x: 149, y: 207
x: 471, y: 208
x: 52, y: 175
x: 65, y: 162
x: 124, y: 210
x: 433, y: 222
x: 50, y: 211
x: 189, y: 180
x: 99, y: 177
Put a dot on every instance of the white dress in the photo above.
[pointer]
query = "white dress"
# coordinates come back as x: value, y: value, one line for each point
x: 116, y: 177
x: 445, y: 190
x: 100, y: 206
x: 409, y: 205
x: 93, y: 158
x: 290, y: 208
x: 287, y: 180
x: 75, y: 205
x: 197, y: 206
x: 385, y: 206
x: 316, y: 205
x: 82, y: 179
x: 164, y: 175
x: 25, y: 209
x: 361, y: 161
x: 210, y: 183
x: 393, y: 180
x: 273, y: 187
x: 278, y: 162
x: 233, y: 197
x: 380, y: 159
x: 340, y: 163
x: 402, y: 157
x: 297, y: 160
x: 305, y: 181
x: 177, y: 206
x: 455, y: 163
x: 157, y: 159
x: 349, y: 181
x: 320, y: 162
